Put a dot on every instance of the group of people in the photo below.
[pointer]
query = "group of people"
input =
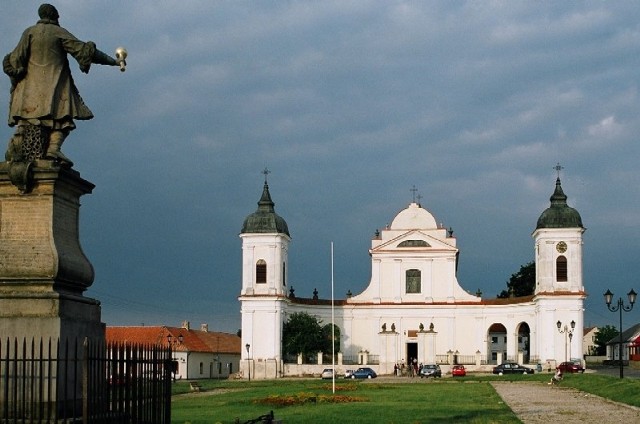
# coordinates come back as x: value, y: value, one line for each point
x: 412, y: 369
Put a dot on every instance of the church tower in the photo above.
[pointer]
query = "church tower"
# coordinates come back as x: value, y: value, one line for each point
x: 558, y: 244
x: 265, y: 245
x: 559, y: 291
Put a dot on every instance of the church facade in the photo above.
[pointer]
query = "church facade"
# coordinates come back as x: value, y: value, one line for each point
x: 414, y: 307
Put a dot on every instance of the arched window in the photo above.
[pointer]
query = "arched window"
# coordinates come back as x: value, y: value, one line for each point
x: 561, y: 268
x: 261, y: 272
x: 414, y: 243
x: 413, y: 282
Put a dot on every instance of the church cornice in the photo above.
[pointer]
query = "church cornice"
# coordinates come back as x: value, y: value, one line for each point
x: 562, y: 293
x: 262, y: 296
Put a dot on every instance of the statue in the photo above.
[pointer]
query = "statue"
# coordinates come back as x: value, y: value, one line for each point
x: 44, y: 99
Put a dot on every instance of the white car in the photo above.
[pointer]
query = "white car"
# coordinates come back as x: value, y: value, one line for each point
x: 347, y: 373
x: 327, y: 373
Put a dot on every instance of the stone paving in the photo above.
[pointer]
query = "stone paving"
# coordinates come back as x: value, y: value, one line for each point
x: 535, y: 402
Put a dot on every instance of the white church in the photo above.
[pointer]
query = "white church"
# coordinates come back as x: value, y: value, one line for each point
x: 414, y: 306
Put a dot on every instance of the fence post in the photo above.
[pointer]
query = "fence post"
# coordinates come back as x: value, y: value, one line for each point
x: 85, y: 381
x: 167, y: 379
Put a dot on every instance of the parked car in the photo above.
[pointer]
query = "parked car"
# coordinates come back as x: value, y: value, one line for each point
x: 327, y: 373
x: 430, y: 370
x: 364, y: 373
x: 348, y: 373
x: 458, y: 371
x: 570, y: 367
x: 511, y: 368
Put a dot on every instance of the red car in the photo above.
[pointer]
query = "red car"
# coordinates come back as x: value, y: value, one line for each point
x: 458, y: 371
x: 570, y: 367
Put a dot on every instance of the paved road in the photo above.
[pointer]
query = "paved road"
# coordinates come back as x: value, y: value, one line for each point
x: 615, y: 371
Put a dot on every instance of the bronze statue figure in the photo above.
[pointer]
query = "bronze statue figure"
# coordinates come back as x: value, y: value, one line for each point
x: 44, y: 99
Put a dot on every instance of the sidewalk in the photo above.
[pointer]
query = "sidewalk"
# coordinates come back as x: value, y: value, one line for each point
x: 535, y: 402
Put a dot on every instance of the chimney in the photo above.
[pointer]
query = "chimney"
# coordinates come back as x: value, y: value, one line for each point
x: 185, y: 325
x: 204, y: 328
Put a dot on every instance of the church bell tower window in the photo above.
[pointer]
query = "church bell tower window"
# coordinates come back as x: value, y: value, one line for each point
x: 561, y: 269
x: 261, y: 272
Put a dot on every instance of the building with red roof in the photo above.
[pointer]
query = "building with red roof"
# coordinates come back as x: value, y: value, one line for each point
x: 196, y: 353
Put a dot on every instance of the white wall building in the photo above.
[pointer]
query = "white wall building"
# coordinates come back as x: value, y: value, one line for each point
x: 589, y: 345
x: 414, y: 306
x: 196, y: 354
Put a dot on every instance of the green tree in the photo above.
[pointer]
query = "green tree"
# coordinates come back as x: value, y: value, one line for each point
x: 303, y: 333
x: 604, y: 335
x: 326, y: 333
x: 522, y: 283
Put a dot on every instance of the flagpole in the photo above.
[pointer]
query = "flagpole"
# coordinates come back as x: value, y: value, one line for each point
x: 333, y: 328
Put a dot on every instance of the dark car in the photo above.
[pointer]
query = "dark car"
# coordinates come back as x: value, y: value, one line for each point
x: 364, y: 373
x: 430, y: 370
x: 512, y: 368
x: 570, y: 367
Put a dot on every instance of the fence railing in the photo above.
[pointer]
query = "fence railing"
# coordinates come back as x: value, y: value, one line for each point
x: 442, y: 359
x: 350, y: 360
x: 84, y: 382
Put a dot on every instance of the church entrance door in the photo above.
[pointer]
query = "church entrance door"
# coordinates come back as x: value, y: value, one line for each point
x: 412, y: 352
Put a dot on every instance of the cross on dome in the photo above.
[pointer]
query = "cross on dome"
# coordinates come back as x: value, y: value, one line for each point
x: 414, y: 190
x: 266, y: 172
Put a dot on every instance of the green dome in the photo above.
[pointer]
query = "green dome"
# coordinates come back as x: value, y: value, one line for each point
x: 265, y: 220
x: 559, y: 214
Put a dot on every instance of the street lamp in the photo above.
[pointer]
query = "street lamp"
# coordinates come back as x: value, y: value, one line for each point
x: 174, y: 342
x: 247, y: 346
x: 566, y: 333
x: 608, y: 297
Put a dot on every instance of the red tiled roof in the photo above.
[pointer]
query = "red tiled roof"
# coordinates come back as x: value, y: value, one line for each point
x: 181, y: 338
x: 142, y: 335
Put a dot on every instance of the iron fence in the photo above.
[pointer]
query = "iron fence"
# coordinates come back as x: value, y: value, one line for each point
x: 84, y: 382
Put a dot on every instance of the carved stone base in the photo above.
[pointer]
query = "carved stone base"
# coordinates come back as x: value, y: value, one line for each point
x: 43, y: 270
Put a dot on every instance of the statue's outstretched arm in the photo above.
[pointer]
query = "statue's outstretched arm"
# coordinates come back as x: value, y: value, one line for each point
x: 101, y: 58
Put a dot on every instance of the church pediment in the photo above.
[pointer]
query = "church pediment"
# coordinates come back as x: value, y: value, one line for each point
x: 415, y: 240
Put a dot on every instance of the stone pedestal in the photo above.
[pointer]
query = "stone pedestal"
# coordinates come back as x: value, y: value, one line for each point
x: 43, y: 271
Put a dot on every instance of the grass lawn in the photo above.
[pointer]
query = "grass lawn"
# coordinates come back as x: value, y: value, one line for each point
x: 468, y: 400
x: 312, y: 401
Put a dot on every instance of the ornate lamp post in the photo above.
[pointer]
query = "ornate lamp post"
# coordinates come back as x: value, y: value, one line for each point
x: 567, y: 332
x: 247, y: 346
x: 608, y: 297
